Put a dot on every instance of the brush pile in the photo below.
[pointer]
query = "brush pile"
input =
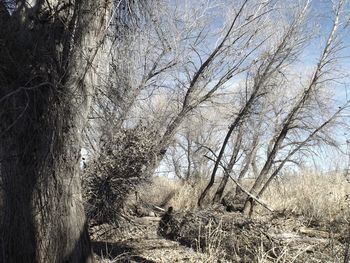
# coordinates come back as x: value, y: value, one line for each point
x: 120, y: 167
x: 237, y: 238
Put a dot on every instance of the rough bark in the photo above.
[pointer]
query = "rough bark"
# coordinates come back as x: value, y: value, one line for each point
x: 49, y: 55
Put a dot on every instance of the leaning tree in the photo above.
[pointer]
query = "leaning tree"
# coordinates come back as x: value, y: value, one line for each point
x: 51, y: 55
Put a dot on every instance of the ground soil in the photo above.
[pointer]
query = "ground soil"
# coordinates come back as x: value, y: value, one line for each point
x: 273, y: 238
x: 139, y: 242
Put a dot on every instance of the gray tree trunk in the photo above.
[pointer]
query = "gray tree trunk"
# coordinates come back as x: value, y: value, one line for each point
x: 48, y: 59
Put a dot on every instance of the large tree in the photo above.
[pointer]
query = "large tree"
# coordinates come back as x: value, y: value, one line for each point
x: 51, y: 54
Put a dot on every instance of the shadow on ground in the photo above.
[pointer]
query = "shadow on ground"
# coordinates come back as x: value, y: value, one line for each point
x: 118, y: 251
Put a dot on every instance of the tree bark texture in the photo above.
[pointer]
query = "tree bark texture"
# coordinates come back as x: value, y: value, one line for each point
x: 49, y: 63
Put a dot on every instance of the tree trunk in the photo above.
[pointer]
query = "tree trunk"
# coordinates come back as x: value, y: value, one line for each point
x: 243, y: 112
x: 46, y: 82
x: 237, y: 147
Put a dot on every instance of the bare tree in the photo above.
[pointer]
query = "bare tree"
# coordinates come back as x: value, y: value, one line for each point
x: 181, y: 58
x: 296, y: 120
x: 202, y: 80
x: 196, y: 137
x: 237, y: 147
x: 270, y: 65
x: 243, y: 155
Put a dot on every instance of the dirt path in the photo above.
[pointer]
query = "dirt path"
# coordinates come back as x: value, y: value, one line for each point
x: 142, y: 244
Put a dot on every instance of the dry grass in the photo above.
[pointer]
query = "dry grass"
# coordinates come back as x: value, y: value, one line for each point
x: 214, y: 239
x: 316, y: 196
x: 167, y: 192
x: 312, y: 199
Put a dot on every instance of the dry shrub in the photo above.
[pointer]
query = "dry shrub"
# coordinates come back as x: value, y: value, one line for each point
x: 316, y: 196
x: 236, y: 238
x: 228, y: 236
x: 117, y: 171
